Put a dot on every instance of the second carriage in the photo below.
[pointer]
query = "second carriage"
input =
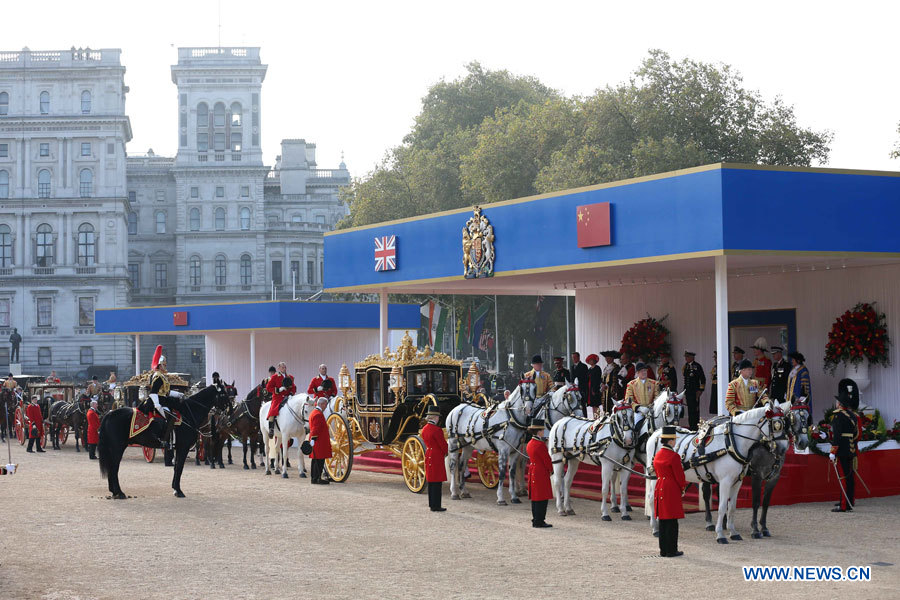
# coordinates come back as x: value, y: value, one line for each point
x: 383, y: 405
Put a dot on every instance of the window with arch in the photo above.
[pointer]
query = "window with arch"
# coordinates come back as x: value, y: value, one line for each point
x: 220, y: 219
x: 6, y: 257
x: 44, y: 183
x: 132, y: 223
x: 220, y: 270
x: 194, y: 219
x: 236, y: 140
x: 202, y: 116
x: 85, y: 102
x: 45, y: 103
x: 160, y: 222
x: 86, y: 183
x: 194, y: 271
x: 219, y: 115
x: 245, y: 218
x: 4, y: 184
x: 44, y: 245
x: 246, y: 272
x: 4, y: 103
x: 87, y: 247
x: 236, y: 114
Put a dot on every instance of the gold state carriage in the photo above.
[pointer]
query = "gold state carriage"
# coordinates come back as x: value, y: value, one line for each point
x: 383, y: 408
x: 134, y: 392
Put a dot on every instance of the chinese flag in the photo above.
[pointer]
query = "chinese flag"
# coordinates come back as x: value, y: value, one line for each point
x: 593, y: 225
x: 180, y: 318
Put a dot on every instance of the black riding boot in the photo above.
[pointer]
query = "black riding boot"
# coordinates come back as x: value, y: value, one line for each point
x: 272, y: 428
x: 170, y: 426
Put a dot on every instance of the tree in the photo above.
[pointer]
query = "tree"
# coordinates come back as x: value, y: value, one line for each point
x: 895, y: 153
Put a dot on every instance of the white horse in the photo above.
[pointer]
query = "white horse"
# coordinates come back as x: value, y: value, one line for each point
x: 667, y: 409
x: 471, y: 427
x: 292, y: 422
x: 724, y: 459
x: 607, y: 442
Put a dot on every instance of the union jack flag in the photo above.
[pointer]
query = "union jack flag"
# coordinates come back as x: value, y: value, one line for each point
x: 386, y: 253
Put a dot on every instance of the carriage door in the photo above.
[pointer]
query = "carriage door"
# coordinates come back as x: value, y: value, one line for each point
x: 371, y: 410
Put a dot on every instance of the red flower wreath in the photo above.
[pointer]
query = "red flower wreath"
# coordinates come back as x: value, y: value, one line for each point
x: 647, y: 339
x: 858, y: 334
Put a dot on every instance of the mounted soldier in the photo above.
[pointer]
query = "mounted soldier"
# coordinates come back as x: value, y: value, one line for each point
x: 322, y: 386
x: 743, y: 392
x: 281, y: 386
x: 542, y: 380
x: 159, y: 390
x: 641, y: 391
x: 93, y: 389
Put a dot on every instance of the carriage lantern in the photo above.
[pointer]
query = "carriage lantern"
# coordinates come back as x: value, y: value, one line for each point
x: 142, y: 394
x: 473, y: 378
x: 344, y: 380
x: 395, y: 378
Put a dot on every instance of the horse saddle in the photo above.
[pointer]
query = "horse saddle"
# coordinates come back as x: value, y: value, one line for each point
x: 140, y: 421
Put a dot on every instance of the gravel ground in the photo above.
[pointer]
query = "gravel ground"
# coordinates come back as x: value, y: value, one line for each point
x: 239, y: 534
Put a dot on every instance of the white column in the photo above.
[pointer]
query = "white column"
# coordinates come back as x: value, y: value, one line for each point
x: 722, y: 329
x: 137, y: 354
x: 382, y: 320
x: 252, y: 356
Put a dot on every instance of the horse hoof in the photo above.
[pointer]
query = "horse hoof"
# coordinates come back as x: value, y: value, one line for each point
x: 766, y: 533
x: 737, y: 537
x: 522, y: 493
x: 302, y: 475
x: 606, y: 518
x: 570, y: 512
x: 454, y: 496
x: 756, y: 535
x: 229, y: 462
x: 626, y: 517
x: 515, y: 500
x: 563, y: 513
x: 465, y: 495
x: 212, y: 466
x: 647, y: 517
x: 179, y: 494
x: 467, y: 474
x: 247, y: 468
x: 501, y: 502
x: 628, y: 509
x: 119, y: 496
x: 655, y: 534
x: 268, y: 472
x: 615, y: 509
x: 721, y: 541
x: 710, y: 527
x: 253, y: 466
x: 284, y: 475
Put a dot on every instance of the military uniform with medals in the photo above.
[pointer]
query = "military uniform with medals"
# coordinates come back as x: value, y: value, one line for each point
x: 743, y: 394
x: 694, y: 384
x: 781, y: 370
x: 845, y: 429
x: 641, y: 392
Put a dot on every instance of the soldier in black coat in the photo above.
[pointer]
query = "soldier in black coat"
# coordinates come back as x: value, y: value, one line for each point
x: 781, y: 370
x: 738, y: 354
x: 592, y: 392
x: 694, y: 384
x: 560, y: 374
x: 579, y: 376
x: 668, y: 374
x: 844, y: 436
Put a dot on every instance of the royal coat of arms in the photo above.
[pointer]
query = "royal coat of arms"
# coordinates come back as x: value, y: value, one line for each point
x: 478, y: 247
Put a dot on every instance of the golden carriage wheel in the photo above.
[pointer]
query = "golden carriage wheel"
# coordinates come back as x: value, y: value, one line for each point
x: 488, y: 469
x: 341, y: 462
x: 63, y: 434
x: 413, y: 462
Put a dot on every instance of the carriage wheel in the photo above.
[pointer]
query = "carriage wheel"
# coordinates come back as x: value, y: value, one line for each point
x: 413, y: 462
x: 341, y: 462
x: 20, y: 426
x: 149, y: 453
x: 488, y: 469
x: 63, y: 435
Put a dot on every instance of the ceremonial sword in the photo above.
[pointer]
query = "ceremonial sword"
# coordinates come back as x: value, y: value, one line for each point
x: 843, y: 491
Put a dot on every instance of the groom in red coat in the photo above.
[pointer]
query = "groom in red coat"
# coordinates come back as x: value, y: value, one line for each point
x: 435, y: 453
x: 539, y: 470
x: 320, y: 440
x: 669, y: 488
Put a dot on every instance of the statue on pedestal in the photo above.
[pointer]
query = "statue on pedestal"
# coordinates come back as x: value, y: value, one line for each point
x: 14, y: 340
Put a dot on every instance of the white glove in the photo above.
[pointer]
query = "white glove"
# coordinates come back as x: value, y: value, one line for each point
x: 823, y: 435
x: 319, y: 389
x: 281, y: 389
x: 155, y: 398
x: 831, y: 456
x: 312, y: 443
x: 176, y: 394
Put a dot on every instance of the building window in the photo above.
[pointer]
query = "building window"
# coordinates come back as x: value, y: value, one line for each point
x: 220, y: 192
x: 295, y: 271
x: 86, y: 246
x: 44, y: 356
x: 134, y: 275
x: 86, y: 311
x: 219, y: 115
x: 162, y: 275
x: 44, y: 312
x: 202, y: 142
x: 219, y: 141
x: 160, y: 222
x: 236, y: 114
x: 4, y: 150
x: 310, y: 273
x: 43, y: 183
x: 220, y: 219
x: 296, y: 218
x: 45, y: 103
x: 86, y: 355
x: 194, y: 270
x: 245, y: 191
x: 132, y: 197
x: 220, y: 270
x: 320, y: 219
x: 236, y: 141
x: 44, y: 149
x: 4, y: 184
x: 6, y: 257
x: 86, y: 183
x: 195, y: 192
x: 276, y: 272
x: 246, y: 273
x: 195, y: 219
x: 44, y: 242
x: 202, y: 116
x: 4, y: 103
x: 85, y: 102
x: 85, y: 148
x: 132, y: 223
x: 160, y: 195
x: 245, y: 218
x: 111, y: 148
x: 4, y: 312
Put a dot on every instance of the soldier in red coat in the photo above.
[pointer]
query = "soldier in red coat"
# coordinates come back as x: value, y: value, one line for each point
x: 93, y: 430
x: 34, y: 426
x: 435, y: 454
x: 320, y: 440
x: 669, y: 489
x: 539, y: 469
x: 318, y: 387
x: 276, y: 386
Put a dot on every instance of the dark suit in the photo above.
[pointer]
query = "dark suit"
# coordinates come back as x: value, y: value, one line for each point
x: 694, y: 384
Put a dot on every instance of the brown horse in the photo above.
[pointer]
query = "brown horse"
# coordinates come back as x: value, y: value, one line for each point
x: 243, y: 425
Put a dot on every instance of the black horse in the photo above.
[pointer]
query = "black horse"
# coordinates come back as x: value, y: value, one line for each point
x: 70, y: 414
x: 115, y: 426
x: 243, y: 422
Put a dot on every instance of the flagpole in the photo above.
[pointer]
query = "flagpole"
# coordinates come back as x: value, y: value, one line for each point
x: 455, y: 325
x: 568, y: 351
x: 496, y: 338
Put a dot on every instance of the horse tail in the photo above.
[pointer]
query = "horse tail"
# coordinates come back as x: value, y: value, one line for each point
x: 104, y: 448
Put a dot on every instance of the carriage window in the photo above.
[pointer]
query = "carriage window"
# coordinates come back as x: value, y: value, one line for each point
x: 374, y: 387
x: 444, y: 382
x: 361, y: 387
x: 389, y: 399
x: 417, y: 383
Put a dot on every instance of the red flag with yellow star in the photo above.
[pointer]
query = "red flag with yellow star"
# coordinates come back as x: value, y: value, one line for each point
x: 593, y: 225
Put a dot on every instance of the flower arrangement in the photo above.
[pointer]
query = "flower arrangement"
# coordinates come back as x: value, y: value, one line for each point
x: 647, y: 339
x: 857, y: 335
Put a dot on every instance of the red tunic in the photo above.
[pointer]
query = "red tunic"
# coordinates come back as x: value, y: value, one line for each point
x: 93, y: 427
x: 318, y: 431
x: 669, y: 484
x: 763, y: 371
x: 316, y: 382
x: 435, y: 452
x: 539, y: 470
x: 34, y: 415
x: 275, y: 382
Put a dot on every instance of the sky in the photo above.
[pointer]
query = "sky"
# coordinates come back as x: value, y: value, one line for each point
x: 350, y: 75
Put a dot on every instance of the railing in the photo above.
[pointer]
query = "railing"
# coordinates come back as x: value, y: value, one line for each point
x: 85, y: 270
x: 43, y: 270
x: 5, y: 271
x: 58, y: 58
x: 189, y: 55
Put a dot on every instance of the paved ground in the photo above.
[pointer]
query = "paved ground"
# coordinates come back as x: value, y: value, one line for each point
x: 239, y: 534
